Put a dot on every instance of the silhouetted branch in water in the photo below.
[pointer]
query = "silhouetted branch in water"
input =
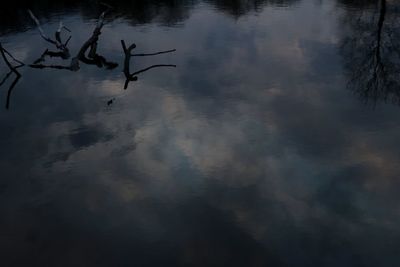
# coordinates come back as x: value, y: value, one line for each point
x: 41, y: 66
x: 130, y: 77
x: 88, y: 57
x: 154, y: 54
x: 128, y: 55
x: 64, y: 52
x: 13, y: 69
x: 11, y: 89
x: 91, y: 59
x: 152, y: 67
x: 6, y: 77
x: 12, y: 57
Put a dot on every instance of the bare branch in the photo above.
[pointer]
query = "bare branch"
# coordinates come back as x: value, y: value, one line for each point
x: 16, y: 60
x: 44, y: 36
x: 94, y: 58
x: 41, y: 66
x: 154, y: 54
x: 6, y: 77
x: 57, y: 42
x: 132, y: 76
x: 66, y: 43
x: 152, y: 67
x: 13, y: 69
x: 11, y: 89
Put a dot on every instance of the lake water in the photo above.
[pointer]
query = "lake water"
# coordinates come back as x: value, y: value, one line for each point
x: 273, y: 142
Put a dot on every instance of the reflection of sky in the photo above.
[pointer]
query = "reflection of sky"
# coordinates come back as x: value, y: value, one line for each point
x: 250, y: 152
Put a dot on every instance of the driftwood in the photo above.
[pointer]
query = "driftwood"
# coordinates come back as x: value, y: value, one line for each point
x: 13, y: 69
x: 130, y: 77
x: 57, y: 42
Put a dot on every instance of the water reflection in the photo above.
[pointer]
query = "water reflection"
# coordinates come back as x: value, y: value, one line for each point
x: 371, y: 51
x: 92, y: 57
x: 251, y: 153
x: 239, y: 8
x: 165, y: 12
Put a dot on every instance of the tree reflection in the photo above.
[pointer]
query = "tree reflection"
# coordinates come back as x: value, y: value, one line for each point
x: 239, y: 8
x: 371, y: 50
x: 166, y: 12
x: 13, y: 16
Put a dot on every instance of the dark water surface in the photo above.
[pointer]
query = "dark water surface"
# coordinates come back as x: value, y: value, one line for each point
x: 274, y: 142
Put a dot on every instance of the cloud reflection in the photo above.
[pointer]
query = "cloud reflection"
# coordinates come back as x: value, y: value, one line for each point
x: 251, y: 153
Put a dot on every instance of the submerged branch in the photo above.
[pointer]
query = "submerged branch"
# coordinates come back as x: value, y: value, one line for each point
x: 86, y: 54
x: 91, y: 44
x: 152, y: 67
x: 11, y: 89
x: 13, y: 69
x: 94, y: 58
x: 41, y: 66
x: 64, y: 54
x: 154, y: 54
x: 6, y: 77
x: 41, y: 31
